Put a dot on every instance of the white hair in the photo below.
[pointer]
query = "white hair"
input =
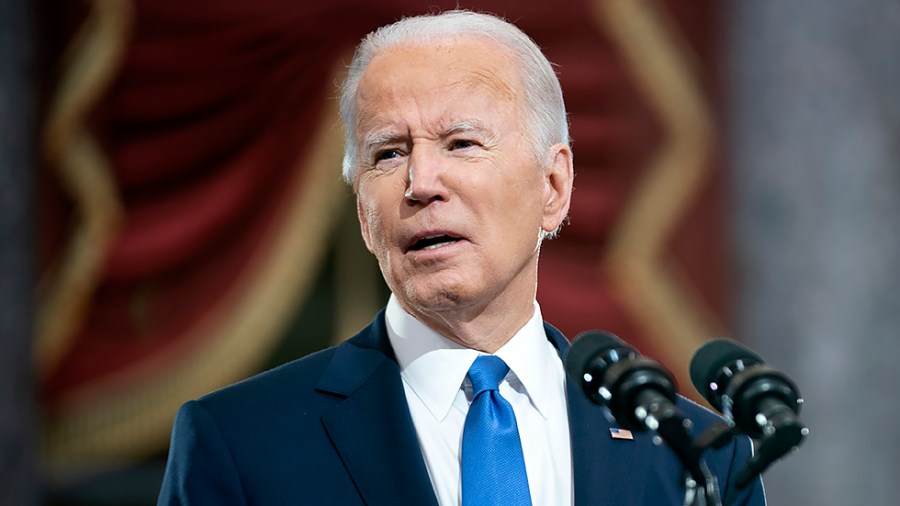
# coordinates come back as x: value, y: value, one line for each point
x: 546, y: 120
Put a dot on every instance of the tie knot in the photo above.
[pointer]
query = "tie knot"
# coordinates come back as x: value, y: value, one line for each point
x: 486, y: 373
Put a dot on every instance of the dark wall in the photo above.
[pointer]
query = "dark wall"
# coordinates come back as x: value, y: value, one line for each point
x: 18, y: 482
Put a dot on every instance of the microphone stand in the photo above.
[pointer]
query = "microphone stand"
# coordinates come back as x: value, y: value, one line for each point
x: 781, y: 432
x: 700, y: 485
x: 701, y: 493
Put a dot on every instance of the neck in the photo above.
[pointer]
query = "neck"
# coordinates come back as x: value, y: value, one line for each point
x: 483, y: 327
x: 483, y: 332
x: 486, y: 322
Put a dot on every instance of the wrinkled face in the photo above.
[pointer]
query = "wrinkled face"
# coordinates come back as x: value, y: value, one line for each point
x: 451, y: 199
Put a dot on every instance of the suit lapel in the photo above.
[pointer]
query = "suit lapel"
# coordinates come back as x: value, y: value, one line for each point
x: 604, y: 469
x: 371, y: 429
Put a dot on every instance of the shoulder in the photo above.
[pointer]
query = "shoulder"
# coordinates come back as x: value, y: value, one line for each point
x: 297, y: 373
x: 308, y: 383
x: 256, y: 437
x: 273, y: 388
x: 701, y: 417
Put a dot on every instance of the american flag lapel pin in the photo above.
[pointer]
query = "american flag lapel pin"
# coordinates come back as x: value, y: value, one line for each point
x: 621, y: 434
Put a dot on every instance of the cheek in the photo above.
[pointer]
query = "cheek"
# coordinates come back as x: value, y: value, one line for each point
x: 521, y: 198
x: 521, y: 218
x: 373, y: 223
x: 378, y: 229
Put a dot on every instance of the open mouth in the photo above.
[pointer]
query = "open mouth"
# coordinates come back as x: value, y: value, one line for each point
x: 432, y: 242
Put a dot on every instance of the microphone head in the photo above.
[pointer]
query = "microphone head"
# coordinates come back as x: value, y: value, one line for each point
x: 759, y: 401
x: 586, y: 347
x: 614, y: 375
x: 591, y: 358
x: 709, y: 361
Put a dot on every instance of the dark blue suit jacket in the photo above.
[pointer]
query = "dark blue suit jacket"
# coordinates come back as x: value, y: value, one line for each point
x: 334, y: 428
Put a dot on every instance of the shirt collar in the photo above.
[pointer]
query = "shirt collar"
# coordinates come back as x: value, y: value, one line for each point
x: 435, y: 367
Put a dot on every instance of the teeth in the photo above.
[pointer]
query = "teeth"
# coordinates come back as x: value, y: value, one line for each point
x: 433, y: 241
x: 437, y: 245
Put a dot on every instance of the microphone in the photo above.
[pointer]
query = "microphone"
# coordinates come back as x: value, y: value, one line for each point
x: 638, y: 391
x: 736, y: 381
x: 760, y: 401
x: 640, y: 394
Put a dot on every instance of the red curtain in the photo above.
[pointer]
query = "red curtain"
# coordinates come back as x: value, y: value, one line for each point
x: 214, y: 106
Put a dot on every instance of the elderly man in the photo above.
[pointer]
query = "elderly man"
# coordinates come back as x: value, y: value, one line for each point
x: 457, y: 149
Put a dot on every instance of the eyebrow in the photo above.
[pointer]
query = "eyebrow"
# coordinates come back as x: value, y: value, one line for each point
x: 471, y: 125
x: 375, y: 142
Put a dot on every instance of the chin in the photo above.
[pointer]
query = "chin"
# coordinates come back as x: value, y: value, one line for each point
x: 434, y: 299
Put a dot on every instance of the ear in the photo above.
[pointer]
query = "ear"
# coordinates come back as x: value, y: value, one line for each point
x: 558, y: 177
x: 363, y: 223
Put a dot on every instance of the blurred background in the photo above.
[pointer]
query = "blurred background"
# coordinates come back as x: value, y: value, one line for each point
x: 172, y: 217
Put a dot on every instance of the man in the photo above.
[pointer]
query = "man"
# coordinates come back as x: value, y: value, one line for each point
x: 457, y: 148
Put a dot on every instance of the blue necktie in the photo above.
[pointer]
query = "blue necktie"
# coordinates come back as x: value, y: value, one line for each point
x: 493, y: 468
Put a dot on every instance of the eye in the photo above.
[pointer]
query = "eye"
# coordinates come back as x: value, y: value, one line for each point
x: 462, y: 144
x: 386, y: 154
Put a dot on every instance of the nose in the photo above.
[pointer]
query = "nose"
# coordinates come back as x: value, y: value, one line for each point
x: 425, y: 177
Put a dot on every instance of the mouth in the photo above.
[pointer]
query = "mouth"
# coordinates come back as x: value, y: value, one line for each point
x: 431, y: 241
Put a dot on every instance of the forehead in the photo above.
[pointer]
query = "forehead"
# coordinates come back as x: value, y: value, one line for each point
x: 429, y: 73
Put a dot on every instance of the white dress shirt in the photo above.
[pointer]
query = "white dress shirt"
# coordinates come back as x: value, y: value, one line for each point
x: 438, y: 392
